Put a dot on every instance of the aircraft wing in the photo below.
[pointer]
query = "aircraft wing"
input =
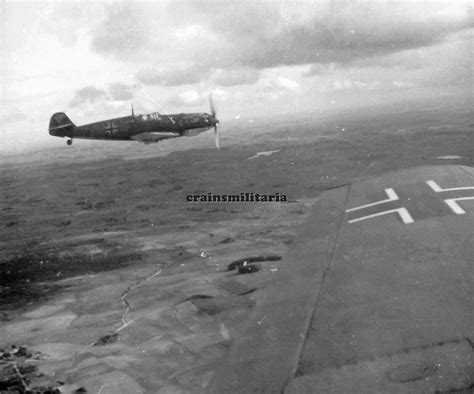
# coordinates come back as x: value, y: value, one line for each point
x: 375, y: 296
x: 151, y: 137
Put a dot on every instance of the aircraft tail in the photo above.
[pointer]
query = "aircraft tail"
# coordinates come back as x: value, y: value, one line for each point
x: 60, y: 125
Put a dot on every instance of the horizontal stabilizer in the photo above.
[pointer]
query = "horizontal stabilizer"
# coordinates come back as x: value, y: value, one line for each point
x: 62, y: 126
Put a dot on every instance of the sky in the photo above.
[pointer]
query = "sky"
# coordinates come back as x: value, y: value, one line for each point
x: 92, y: 60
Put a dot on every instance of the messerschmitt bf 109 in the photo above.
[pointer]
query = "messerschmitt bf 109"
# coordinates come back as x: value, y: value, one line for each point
x: 147, y: 128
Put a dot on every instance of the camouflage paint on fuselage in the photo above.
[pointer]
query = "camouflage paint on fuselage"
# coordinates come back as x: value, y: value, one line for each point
x: 125, y: 128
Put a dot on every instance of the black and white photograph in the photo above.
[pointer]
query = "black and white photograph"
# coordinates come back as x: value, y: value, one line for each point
x: 237, y: 196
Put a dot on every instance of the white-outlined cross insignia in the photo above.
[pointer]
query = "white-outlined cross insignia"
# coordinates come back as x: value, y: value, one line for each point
x: 452, y: 202
x: 412, y: 200
x: 392, y: 196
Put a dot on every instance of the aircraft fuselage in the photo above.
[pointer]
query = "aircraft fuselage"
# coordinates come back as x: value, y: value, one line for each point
x: 145, y: 128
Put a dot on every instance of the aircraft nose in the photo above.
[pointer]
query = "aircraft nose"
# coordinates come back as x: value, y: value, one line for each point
x: 213, y: 120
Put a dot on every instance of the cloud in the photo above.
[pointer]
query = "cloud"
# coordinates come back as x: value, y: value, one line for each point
x: 287, y: 84
x: 64, y: 20
x: 277, y: 86
x: 221, y: 95
x: 228, y: 43
x: 171, y: 77
x: 123, y: 31
x: 348, y: 84
x: 12, y: 114
x: 342, y: 32
x: 120, y: 92
x: 194, y: 98
x: 89, y: 94
x: 320, y: 69
x: 403, y: 84
x: 187, y: 98
x: 196, y: 74
x: 233, y: 77
x: 112, y: 98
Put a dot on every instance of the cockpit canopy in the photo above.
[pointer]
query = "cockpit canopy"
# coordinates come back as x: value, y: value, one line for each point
x: 152, y: 116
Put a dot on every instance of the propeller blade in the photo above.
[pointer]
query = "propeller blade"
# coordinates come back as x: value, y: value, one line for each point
x: 214, y: 120
x: 211, y: 105
x: 216, y: 136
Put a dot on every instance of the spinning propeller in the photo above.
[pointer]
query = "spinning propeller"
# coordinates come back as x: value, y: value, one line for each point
x: 215, y: 121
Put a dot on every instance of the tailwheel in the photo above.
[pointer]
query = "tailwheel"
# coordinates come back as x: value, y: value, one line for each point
x: 69, y: 142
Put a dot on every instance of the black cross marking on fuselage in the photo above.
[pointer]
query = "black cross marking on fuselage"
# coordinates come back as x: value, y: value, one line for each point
x: 415, y: 202
x: 111, y: 128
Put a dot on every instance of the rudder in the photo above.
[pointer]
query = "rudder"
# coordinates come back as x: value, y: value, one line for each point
x: 60, y: 125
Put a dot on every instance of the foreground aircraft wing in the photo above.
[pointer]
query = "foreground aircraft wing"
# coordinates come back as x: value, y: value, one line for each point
x: 375, y: 296
x: 152, y: 137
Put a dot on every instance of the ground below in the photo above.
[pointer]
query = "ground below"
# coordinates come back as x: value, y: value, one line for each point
x: 111, y: 281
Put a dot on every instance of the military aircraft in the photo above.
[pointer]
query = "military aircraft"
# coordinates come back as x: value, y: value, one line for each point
x: 148, y: 128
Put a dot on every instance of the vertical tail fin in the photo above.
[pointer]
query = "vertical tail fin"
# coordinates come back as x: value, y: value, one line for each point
x: 60, y: 125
